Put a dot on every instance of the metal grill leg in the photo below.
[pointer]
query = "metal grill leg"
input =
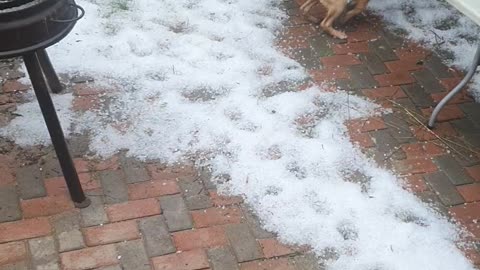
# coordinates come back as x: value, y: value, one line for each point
x: 52, y: 79
x: 456, y: 90
x: 41, y: 86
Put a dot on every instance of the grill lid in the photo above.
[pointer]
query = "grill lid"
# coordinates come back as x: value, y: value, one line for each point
x: 4, y: 4
x: 35, y: 24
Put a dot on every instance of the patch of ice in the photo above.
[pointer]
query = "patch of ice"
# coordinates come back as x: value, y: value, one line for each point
x: 29, y: 128
x: 202, y: 78
x: 438, y: 25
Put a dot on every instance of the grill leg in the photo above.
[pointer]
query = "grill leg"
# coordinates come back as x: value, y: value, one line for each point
x: 41, y: 86
x: 49, y: 72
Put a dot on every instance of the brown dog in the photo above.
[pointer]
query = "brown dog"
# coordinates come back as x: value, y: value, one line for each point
x: 335, y: 8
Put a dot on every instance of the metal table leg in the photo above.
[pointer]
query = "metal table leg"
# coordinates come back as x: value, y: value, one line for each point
x: 52, y: 79
x: 456, y: 90
x: 33, y: 62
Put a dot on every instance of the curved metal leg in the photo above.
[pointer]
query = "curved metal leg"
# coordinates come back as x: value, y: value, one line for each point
x: 458, y: 88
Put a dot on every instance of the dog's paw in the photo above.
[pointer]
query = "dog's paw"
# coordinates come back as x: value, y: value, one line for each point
x: 339, y: 34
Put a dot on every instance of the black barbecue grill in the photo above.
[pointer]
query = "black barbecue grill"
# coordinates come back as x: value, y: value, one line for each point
x: 27, y: 28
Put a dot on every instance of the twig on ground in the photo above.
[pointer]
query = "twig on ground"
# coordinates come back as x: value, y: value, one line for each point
x: 448, y: 143
x: 437, y: 38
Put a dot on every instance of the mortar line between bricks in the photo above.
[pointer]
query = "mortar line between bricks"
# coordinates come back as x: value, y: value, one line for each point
x: 29, y: 253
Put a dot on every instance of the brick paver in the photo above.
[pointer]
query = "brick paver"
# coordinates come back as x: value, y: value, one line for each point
x: 12, y: 252
x: 176, y: 213
x: 133, y: 209
x: 111, y: 233
x: 10, y: 209
x: 157, y: 239
x: 146, y: 215
x: 222, y: 258
x: 88, y: 258
x: 189, y: 260
x: 24, y: 229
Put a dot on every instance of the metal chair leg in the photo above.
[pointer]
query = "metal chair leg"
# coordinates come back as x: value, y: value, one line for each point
x: 41, y: 86
x: 49, y: 72
x: 458, y: 88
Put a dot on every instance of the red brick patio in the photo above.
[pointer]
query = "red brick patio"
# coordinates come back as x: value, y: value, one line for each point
x: 150, y: 216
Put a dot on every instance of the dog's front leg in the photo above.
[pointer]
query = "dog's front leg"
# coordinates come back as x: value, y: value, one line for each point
x: 335, y: 9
